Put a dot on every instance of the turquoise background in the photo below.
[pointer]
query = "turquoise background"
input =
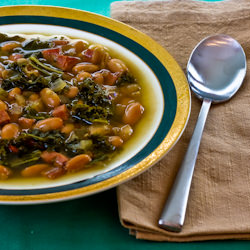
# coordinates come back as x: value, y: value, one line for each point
x: 87, y: 223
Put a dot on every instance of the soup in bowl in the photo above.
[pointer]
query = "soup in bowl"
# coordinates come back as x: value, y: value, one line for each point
x: 65, y: 105
x: 72, y: 106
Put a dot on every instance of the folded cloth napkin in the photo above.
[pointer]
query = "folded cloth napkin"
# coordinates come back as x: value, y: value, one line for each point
x: 219, y: 201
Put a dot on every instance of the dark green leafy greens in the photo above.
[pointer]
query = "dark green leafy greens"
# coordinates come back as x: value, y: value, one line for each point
x: 26, y: 159
x: 44, y: 68
x: 93, y: 103
x: 27, y: 147
x: 23, y: 77
x: 3, y: 94
x: 34, y: 45
x: 125, y: 79
x: 6, y: 38
x: 31, y: 113
x: 37, y: 44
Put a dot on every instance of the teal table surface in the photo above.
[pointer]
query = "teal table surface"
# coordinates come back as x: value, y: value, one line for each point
x: 87, y: 223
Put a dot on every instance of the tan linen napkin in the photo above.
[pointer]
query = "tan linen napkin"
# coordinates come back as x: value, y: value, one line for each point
x: 219, y: 202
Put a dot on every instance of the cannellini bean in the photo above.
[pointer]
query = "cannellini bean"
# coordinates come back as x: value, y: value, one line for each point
x: 78, y: 162
x: 5, y: 73
x: 34, y: 97
x: 98, y: 78
x: 130, y: 88
x: 116, y: 141
x: 20, y: 100
x: 87, y: 67
x: 1, y: 70
x: 105, y: 59
x: 22, y: 60
x: 34, y: 170
x: 14, y: 92
x: 73, y: 92
x: 98, y: 53
x: 68, y: 128
x: 120, y: 109
x: 50, y: 98
x: 38, y: 105
x: 133, y: 113
x: 82, y: 76
x: 116, y: 130
x: 10, y: 131
x: 99, y: 129
x: 4, y: 172
x: 80, y: 46
x: 125, y: 132
x: 3, y: 106
x: 49, y: 124
x: 116, y: 65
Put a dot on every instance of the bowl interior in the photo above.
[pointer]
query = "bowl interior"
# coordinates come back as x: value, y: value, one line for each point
x: 152, y: 98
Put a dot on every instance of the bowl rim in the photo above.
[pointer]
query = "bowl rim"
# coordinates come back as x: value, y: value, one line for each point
x: 183, y: 94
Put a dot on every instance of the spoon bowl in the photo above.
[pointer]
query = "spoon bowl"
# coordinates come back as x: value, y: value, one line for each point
x: 215, y: 71
x: 216, y: 68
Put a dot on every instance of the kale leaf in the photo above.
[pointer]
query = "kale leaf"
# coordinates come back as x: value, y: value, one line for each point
x: 125, y: 78
x: 92, y: 104
x: 3, y: 151
x: 37, y: 44
x: 24, y: 79
x: 30, y: 158
x: 31, y: 113
x: 28, y: 147
x: 6, y: 38
x: 93, y: 94
x: 90, y: 114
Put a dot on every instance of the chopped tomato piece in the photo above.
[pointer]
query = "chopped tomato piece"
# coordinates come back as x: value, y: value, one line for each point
x: 51, y: 54
x: 4, y: 117
x: 63, y: 62
x: 13, y: 149
x: 66, y: 63
x: 61, y: 111
x: 5, y: 172
x: 58, y: 159
x: 26, y: 122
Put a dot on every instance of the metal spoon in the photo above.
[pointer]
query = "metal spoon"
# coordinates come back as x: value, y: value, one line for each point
x: 215, y: 71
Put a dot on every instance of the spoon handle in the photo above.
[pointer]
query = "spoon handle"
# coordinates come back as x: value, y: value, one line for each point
x: 173, y: 214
